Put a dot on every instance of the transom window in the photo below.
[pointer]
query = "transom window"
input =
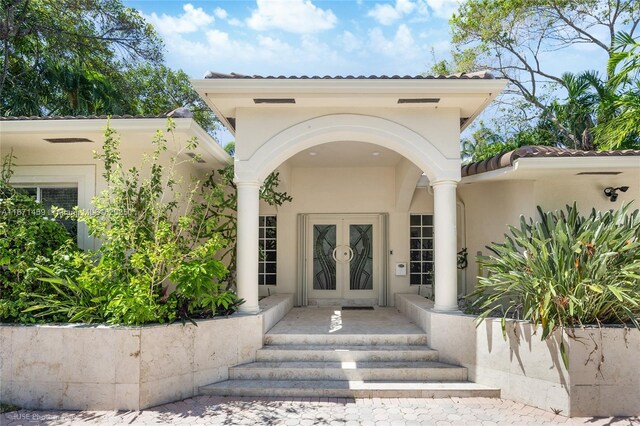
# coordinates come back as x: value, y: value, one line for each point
x: 268, y: 250
x: 65, y: 197
x: 421, y: 249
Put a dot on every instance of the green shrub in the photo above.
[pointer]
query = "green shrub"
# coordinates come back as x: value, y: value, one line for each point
x: 152, y: 236
x: 565, y: 271
x: 28, y: 235
x: 156, y: 233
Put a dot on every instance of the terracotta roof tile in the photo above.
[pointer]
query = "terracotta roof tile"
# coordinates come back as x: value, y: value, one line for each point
x: 79, y: 117
x: 507, y: 159
x: 479, y: 75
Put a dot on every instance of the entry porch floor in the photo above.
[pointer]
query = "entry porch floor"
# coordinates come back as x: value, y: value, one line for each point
x: 329, y: 321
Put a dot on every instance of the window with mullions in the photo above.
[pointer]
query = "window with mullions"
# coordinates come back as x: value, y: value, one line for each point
x: 65, y: 197
x: 421, y: 249
x: 268, y: 250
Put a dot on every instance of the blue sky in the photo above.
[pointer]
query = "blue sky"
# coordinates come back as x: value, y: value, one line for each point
x: 339, y: 37
x: 301, y: 36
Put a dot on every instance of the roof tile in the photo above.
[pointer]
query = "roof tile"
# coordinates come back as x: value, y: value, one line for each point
x: 79, y: 117
x: 461, y: 76
x: 507, y: 159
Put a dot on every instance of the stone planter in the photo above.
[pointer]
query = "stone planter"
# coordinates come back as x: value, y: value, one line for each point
x: 603, y: 378
x: 83, y: 367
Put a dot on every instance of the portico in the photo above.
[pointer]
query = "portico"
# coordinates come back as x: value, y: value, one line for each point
x: 351, y: 149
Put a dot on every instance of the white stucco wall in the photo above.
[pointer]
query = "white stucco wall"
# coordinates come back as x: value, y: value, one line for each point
x: 441, y: 127
x: 491, y: 206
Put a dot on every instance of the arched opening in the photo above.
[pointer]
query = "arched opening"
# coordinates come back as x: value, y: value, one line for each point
x: 345, y: 239
x: 348, y: 127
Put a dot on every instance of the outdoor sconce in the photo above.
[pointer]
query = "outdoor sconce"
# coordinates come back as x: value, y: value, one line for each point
x: 612, y: 193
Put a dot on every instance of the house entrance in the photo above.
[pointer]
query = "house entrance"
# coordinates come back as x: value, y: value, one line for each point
x: 343, y: 259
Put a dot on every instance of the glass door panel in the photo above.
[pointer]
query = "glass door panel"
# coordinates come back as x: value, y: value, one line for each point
x: 361, y: 265
x: 324, y: 261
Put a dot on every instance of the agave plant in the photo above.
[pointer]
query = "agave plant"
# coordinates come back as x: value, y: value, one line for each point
x: 565, y: 271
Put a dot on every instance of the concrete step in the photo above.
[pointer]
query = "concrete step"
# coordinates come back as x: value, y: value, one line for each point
x: 348, y: 389
x: 346, y: 339
x: 346, y: 353
x: 348, y: 370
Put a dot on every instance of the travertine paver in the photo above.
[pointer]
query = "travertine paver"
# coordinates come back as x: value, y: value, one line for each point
x: 316, y: 411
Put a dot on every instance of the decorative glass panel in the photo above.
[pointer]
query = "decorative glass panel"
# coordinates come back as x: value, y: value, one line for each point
x: 324, y: 265
x: 421, y: 249
x: 361, y: 266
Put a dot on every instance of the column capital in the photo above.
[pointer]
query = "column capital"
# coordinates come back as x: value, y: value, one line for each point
x: 444, y: 182
x: 247, y: 183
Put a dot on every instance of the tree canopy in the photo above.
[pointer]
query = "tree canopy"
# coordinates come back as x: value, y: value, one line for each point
x: 85, y: 57
x: 516, y: 38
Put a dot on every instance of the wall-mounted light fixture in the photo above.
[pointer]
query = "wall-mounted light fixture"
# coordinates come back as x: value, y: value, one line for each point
x: 612, y: 193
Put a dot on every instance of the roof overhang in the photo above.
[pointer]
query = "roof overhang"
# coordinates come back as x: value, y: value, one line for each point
x: 469, y: 96
x: 540, y: 168
x: 33, y: 132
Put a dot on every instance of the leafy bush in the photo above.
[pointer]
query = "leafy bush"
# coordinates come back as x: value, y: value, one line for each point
x: 28, y: 234
x: 152, y: 238
x: 565, y: 271
x: 157, y: 234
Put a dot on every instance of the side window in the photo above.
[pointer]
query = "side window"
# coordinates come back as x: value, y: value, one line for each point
x: 268, y: 250
x: 421, y: 249
x: 65, y: 197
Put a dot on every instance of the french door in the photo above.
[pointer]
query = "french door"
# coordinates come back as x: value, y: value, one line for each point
x: 343, y: 256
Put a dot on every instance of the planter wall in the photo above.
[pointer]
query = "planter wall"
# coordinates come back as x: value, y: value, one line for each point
x: 81, y: 367
x: 531, y: 371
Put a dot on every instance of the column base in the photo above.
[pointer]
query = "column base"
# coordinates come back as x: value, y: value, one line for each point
x: 248, y: 310
x: 447, y: 308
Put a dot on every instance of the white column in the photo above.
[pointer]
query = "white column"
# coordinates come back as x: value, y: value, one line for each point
x: 247, y: 250
x: 445, y: 240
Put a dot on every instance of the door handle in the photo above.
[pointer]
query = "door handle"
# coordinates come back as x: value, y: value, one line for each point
x: 351, y: 254
x: 348, y: 253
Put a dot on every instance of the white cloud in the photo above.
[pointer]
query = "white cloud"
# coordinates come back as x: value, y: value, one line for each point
x: 350, y: 42
x: 296, y: 16
x: 387, y: 14
x: 443, y: 8
x: 220, y: 13
x: 190, y: 21
x: 401, y: 45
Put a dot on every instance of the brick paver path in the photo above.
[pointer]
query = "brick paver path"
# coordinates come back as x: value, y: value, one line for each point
x: 318, y: 411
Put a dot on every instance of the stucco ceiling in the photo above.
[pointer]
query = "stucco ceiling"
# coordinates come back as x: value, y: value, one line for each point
x: 345, y: 154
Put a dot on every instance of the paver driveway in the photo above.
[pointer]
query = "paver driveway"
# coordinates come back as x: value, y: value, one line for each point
x: 320, y: 411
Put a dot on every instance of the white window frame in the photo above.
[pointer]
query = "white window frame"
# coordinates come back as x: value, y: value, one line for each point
x: 81, y: 176
x: 265, y: 262
x: 420, y: 250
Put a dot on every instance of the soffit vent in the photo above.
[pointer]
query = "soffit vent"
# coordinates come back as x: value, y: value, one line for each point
x: 68, y: 140
x: 599, y: 173
x: 274, y: 100
x: 195, y: 156
x: 418, y: 100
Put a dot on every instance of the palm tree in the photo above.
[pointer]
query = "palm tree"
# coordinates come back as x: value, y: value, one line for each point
x: 623, y: 129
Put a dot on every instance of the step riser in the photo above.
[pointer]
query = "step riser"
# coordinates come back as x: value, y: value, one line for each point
x: 345, y: 356
x: 354, y: 393
x: 355, y: 340
x: 392, y: 374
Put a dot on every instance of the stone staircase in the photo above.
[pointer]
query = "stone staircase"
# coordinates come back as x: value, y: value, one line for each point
x: 348, y: 366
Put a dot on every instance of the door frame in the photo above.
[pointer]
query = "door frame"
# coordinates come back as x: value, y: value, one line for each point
x: 304, y: 219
